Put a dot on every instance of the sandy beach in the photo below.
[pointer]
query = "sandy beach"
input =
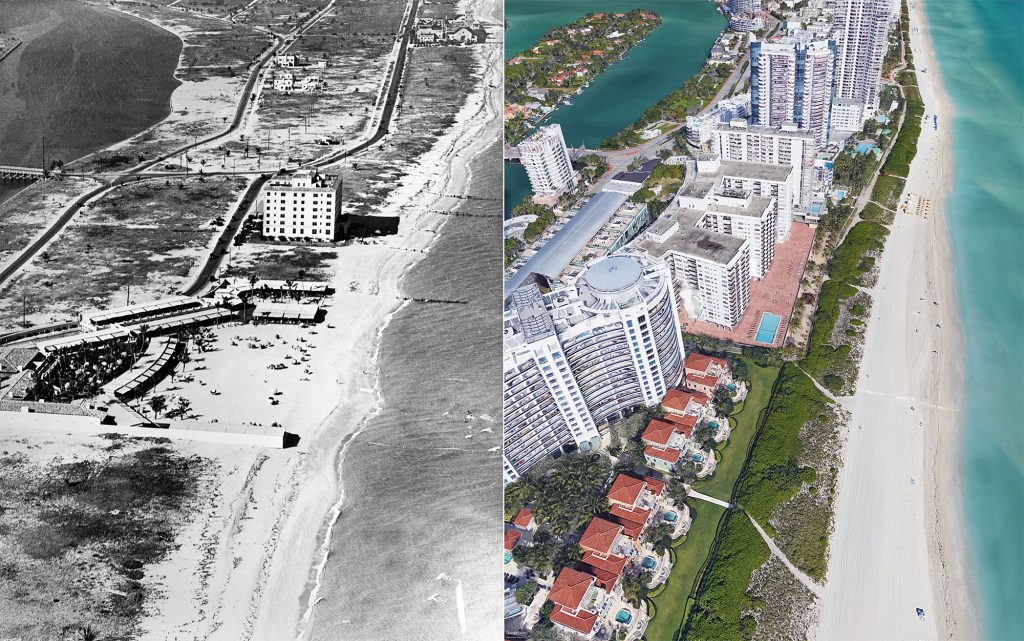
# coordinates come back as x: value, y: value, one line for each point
x: 899, y: 539
x: 252, y: 560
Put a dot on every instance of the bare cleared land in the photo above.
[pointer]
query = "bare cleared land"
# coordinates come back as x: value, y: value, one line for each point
x: 147, y: 236
x: 436, y: 80
x: 23, y: 217
x: 80, y: 524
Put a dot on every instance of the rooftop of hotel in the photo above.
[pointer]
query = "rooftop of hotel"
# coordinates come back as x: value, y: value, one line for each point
x: 755, y: 207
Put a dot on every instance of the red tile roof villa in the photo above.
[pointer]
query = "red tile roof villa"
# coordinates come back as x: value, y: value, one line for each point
x: 658, y: 432
x: 699, y: 364
x: 570, y: 588
x: 606, y: 570
x: 511, y: 538
x: 524, y: 519
x: 625, y: 489
x: 600, y: 535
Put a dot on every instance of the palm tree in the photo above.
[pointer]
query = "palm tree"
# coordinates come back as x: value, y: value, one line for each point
x: 86, y: 633
x: 183, y: 406
x: 157, y: 403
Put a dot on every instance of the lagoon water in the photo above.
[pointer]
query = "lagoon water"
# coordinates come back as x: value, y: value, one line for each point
x: 84, y: 78
x: 617, y: 97
x: 978, y: 45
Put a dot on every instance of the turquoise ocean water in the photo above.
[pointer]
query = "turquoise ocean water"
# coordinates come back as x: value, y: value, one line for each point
x: 978, y: 45
x: 663, y: 62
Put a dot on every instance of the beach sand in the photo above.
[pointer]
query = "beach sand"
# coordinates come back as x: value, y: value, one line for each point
x: 899, y: 539
x: 246, y: 567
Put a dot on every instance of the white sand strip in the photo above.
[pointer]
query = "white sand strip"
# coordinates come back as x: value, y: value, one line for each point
x: 898, y: 543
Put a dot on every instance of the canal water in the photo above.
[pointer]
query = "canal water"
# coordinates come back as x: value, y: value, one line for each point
x: 653, y: 69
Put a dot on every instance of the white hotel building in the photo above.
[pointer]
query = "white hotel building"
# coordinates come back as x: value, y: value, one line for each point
x: 302, y: 205
x: 547, y: 163
x: 580, y: 356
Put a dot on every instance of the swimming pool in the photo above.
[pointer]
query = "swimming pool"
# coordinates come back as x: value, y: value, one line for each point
x: 623, y: 616
x: 817, y: 209
x: 731, y: 387
x: 671, y: 517
x: 714, y: 425
x: 508, y: 557
x: 767, y: 327
x: 648, y: 562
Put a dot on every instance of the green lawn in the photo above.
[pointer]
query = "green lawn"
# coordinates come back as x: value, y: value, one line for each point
x: 744, y: 425
x: 673, y: 602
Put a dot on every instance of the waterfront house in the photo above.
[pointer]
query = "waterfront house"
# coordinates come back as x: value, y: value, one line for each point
x: 578, y: 602
x: 681, y: 402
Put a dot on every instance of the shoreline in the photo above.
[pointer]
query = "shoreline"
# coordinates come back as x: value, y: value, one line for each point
x: 899, y: 536
x: 312, y: 553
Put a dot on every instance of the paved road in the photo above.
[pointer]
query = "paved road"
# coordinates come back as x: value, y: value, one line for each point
x: 390, y: 101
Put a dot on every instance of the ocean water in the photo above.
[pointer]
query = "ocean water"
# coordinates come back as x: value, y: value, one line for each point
x: 85, y: 78
x: 978, y: 45
x: 671, y: 53
x: 425, y: 509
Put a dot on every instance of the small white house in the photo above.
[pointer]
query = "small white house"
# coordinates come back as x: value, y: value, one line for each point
x: 284, y: 81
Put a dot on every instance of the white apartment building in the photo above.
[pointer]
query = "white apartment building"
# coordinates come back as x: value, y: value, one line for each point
x: 580, y: 356
x: 700, y: 128
x: 847, y: 116
x: 744, y: 215
x: 710, y: 270
x: 740, y: 142
x: 547, y: 162
x: 302, y: 204
x: 791, y: 83
x: 745, y: 15
x: 861, y: 33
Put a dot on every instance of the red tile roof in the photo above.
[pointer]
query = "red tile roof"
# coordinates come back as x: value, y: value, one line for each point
x: 656, y: 486
x: 633, y: 521
x: 683, y: 424
x: 523, y: 519
x: 676, y: 400
x: 582, y: 622
x: 625, y: 489
x: 606, y: 570
x: 657, y: 432
x: 511, y: 538
x: 669, y: 455
x: 599, y: 535
x: 705, y: 381
x: 701, y: 362
x: 569, y: 588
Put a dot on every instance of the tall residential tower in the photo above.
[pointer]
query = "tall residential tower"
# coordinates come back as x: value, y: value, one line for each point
x: 791, y: 82
x: 547, y: 163
x: 580, y: 356
x: 861, y: 33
